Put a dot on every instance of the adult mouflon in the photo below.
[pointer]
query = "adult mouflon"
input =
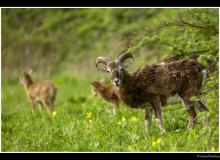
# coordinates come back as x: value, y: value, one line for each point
x: 154, y: 83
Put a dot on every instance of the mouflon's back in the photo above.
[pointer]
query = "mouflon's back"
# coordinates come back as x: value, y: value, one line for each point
x: 169, y: 78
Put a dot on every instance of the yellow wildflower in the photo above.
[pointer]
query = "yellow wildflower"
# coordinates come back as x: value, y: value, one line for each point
x: 158, y: 141
x: 88, y: 115
x: 213, y: 149
x: 154, y: 143
x: 54, y: 113
x: 133, y: 119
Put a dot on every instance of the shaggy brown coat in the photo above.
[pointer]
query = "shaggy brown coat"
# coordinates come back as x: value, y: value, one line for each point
x: 183, y: 77
x: 155, y: 83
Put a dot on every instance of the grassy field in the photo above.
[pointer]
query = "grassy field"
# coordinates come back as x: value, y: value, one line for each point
x: 86, y: 123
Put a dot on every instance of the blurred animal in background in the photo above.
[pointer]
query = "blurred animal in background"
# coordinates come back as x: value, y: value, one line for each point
x: 108, y: 93
x: 43, y: 93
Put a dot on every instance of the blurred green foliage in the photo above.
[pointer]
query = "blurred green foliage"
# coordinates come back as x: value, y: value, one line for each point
x: 62, y: 40
x: 192, y: 31
x: 47, y: 39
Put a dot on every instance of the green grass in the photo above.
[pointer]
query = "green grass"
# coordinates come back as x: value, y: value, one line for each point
x: 70, y: 130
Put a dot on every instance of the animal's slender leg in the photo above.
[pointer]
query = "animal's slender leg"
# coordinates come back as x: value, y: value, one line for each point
x: 49, y: 106
x: 42, y: 105
x: 115, y: 108
x: 191, y: 112
x: 33, y: 106
x: 157, y: 110
x: 148, y: 117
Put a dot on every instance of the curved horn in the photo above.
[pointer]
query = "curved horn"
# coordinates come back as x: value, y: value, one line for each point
x: 121, y: 58
x: 102, y: 59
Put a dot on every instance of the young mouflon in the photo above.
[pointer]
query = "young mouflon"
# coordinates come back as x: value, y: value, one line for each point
x: 153, y: 84
x: 43, y: 93
x: 108, y: 93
